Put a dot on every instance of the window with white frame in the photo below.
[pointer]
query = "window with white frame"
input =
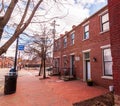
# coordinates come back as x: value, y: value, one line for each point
x: 55, y: 46
x: 65, y: 42
x: 86, y: 32
x: 59, y: 46
x: 104, y: 22
x: 107, y: 60
x: 64, y: 61
x: 72, y: 38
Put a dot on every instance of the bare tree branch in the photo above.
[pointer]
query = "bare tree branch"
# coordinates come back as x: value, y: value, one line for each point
x: 4, y: 20
x: 2, y: 8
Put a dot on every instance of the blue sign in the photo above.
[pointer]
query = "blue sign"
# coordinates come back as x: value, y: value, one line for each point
x: 20, y: 47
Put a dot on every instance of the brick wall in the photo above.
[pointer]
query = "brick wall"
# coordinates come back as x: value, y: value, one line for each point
x: 94, y: 43
x: 114, y: 11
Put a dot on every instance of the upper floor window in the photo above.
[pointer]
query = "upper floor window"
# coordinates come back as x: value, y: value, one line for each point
x: 55, y: 46
x: 86, y: 32
x: 105, y: 22
x: 59, y: 46
x: 65, y: 42
x: 107, y: 61
x: 72, y: 38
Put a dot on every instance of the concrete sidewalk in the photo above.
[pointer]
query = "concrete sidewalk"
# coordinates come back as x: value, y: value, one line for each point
x: 33, y: 91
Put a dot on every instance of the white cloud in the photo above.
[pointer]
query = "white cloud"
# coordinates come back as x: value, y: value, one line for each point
x: 74, y: 11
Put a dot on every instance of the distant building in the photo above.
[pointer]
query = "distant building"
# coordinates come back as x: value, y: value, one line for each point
x: 85, y: 51
x: 6, y: 62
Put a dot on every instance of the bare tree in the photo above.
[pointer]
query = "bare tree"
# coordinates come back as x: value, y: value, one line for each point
x: 21, y: 25
x: 40, y: 47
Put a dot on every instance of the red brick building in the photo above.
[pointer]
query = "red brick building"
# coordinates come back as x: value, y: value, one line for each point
x: 6, y: 62
x: 85, y: 51
x: 114, y: 11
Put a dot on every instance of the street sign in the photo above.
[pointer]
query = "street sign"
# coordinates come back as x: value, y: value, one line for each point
x: 20, y: 47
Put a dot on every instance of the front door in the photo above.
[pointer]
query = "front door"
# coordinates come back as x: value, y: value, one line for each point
x: 86, y: 65
x: 88, y: 72
x: 72, y: 64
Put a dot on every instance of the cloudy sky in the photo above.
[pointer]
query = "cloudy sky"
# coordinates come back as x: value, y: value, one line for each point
x: 68, y: 13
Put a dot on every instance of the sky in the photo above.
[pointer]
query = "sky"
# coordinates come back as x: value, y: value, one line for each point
x: 67, y: 13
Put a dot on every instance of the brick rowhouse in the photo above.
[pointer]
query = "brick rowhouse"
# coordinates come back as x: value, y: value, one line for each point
x: 86, y: 51
x: 114, y: 11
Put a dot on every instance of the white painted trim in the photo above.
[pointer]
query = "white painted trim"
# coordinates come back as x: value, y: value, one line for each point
x: 104, y: 31
x: 103, y: 12
x: 57, y: 57
x: 105, y: 46
x: 64, y: 55
x: 107, y: 77
x: 88, y: 50
x: 86, y: 23
x: 72, y: 53
x: 72, y: 32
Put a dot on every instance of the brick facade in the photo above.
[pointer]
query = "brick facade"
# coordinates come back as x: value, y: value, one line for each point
x: 74, y: 54
x: 6, y: 62
x: 114, y: 11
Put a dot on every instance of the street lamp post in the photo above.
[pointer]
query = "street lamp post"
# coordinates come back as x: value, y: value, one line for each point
x: 16, y: 52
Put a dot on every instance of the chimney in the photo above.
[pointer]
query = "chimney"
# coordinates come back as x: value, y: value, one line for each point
x: 66, y: 32
x: 73, y: 26
x: 61, y: 35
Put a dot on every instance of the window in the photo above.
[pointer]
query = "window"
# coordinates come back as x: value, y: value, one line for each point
x: 65, y: 42
x: 87, y: 55
x: 72, y: 38
x: 105, y: 22
x: 107, y: 60
x: 86, y: 32
x: 55, y: 46
x: 64, y: 61
x: 59, y: 46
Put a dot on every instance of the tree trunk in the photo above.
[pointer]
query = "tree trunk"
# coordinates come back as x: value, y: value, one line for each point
x: 41, y: 65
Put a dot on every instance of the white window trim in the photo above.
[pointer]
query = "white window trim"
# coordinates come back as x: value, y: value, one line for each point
x: 104, y: 31
x: 105, y: 46
x: 57, y: 57
x: 64, y: 55
x: 103, y: 12
x: 107, y: 77
x: 86, y: 23
x: 72, y: 54
x: 104, y: 76
x: 74, y: 37
x: 88, y: 50
x: 72, y: 32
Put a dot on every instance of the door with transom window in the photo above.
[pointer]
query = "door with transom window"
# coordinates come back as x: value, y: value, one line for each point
x: 87, y: 69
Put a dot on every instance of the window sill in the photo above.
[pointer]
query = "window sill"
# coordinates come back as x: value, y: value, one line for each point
x: 104, y: 31
x: 107, y: 77
x: 85, y: 39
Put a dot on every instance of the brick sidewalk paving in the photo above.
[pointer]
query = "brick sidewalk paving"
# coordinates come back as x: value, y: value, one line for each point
x: 31, y: 91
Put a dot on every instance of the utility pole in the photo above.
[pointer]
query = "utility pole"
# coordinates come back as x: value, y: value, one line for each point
x: 44, y: 51
x: 54, y: 36
x: 54, y: 29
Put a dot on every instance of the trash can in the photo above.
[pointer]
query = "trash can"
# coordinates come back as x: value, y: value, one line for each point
x: 10, y: 84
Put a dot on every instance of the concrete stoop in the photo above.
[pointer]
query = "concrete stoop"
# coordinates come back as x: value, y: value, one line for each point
x: 67, y: 78
x: 102, y: 100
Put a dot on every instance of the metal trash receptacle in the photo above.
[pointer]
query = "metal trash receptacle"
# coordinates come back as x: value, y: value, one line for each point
x: 10, y: 84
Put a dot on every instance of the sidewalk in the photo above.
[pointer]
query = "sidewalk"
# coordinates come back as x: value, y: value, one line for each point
x: 33, y: 91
